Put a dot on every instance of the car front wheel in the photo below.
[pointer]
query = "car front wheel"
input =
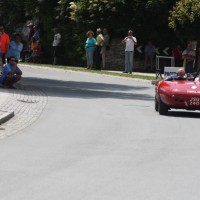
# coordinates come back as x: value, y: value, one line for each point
x: 162, y: 108
x: 156, y: 104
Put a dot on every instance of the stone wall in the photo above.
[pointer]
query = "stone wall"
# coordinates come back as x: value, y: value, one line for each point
x: 115, y: 57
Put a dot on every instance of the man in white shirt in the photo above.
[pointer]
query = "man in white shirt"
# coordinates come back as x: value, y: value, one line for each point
x: 56, y: 45
x: 130, y: 42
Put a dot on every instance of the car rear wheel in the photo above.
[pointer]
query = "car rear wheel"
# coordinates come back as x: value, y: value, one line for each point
x: 156, y: 104
x: 162, y: 108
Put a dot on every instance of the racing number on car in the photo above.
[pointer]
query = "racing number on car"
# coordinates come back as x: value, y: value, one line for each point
x: 194, y: 101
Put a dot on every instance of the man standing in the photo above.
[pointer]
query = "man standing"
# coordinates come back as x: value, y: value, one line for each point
x: 56, y: 46
x: 30, y: 33
x: 105, y: 46
x: 130, y: 42
x: 99, y: 44
x: 5, y: 41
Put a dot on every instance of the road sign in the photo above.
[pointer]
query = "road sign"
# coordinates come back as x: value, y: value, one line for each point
x: 157, y: 52
x: 165, y: 51
x: 139, y: 49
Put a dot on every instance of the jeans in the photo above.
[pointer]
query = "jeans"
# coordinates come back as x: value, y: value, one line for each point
x: 129, y: 61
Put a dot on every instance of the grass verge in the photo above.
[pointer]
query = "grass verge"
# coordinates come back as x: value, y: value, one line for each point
x: 136, y: 76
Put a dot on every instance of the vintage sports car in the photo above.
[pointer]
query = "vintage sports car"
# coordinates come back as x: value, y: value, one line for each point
x: 178, y: 94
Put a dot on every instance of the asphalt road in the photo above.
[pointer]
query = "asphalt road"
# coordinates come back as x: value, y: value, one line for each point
x: 99, y: 138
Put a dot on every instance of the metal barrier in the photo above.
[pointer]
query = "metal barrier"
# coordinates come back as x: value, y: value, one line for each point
x: 158, y: 70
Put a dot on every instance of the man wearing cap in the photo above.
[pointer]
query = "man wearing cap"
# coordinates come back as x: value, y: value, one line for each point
x: 5, y: 41
x: 99, y: 44
x: 31, y: 32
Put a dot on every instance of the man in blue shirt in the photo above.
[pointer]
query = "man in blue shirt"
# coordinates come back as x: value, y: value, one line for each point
x: 11, y: 73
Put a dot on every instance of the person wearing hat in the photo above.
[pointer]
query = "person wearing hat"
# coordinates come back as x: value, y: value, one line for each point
x: 36, y: 34
x: 31, y: 32
x: 99, y: 44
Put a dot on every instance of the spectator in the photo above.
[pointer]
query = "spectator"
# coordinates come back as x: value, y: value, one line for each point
x: 99, y: 44
x: 31, y: 32
x: 149, y: 55
x: 189, y: 57
x: 5, y: 41
x: 15, y: 48
x: 177, y: 54
x: 105, y: 46
x: 36, y: 34
x: 36, y: 56
x: 130, y: 42
x: 11, y: 73
x: 90, y: 48
x: 56, y: 46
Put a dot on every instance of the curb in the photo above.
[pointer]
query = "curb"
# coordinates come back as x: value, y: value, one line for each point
x: 5, y: 116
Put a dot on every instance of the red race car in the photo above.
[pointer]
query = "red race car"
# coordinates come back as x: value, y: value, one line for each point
x: 178, y: 94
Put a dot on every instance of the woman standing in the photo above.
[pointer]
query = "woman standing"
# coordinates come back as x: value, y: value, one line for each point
x: 15, y: 48
x: 90, y: 48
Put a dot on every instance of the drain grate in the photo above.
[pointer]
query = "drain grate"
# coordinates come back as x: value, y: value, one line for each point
x: 27, y: 101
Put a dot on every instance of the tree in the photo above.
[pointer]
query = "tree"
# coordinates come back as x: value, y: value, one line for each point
x: 184, y: 19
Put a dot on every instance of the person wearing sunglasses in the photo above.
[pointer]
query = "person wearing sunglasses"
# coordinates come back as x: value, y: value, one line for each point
x: 11, y: 73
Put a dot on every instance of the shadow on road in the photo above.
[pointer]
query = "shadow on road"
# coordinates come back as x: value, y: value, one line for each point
x: 90, y: 90
x: 184, y: 114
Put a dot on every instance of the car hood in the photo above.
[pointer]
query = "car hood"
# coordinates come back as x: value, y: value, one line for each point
x: 181, y: 86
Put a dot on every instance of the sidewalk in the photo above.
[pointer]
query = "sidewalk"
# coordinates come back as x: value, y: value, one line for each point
x: 25, y: 103
x: 4, y: 114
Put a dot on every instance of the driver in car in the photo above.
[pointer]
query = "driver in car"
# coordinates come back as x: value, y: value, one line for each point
x: 180, y: 75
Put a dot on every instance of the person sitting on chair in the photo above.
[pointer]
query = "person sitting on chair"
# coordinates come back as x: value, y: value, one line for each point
x: 180, y: 75
x: 11, y: 73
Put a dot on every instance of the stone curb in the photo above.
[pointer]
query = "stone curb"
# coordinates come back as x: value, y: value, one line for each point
x: 5, y: 116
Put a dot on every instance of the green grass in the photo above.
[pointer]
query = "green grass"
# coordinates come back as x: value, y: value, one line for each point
x: 80, y: 69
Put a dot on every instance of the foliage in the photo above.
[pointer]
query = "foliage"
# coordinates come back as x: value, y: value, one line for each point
x: 185, y: 18
x: 148, y: 18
